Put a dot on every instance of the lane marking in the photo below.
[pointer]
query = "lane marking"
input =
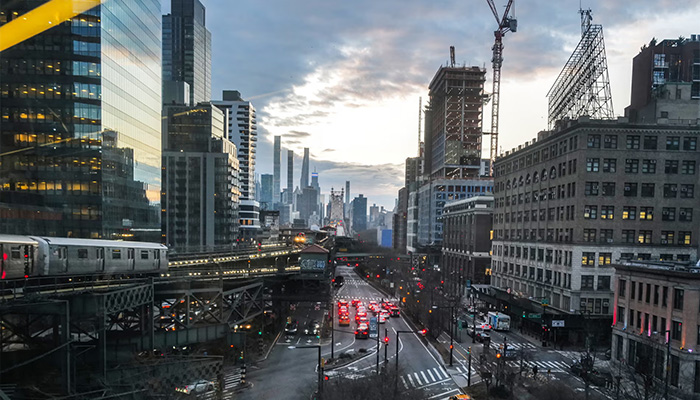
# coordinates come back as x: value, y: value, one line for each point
x: 410, y: 380
x: 424, y: 377
x: 439, y: 370
x: 415, y: 374
x: 404, y: 382
x: 432, y: 378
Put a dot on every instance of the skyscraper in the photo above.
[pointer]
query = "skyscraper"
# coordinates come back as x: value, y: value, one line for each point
x: 266, y: 192
x: 304, y: 180
x: 82, y: 154
x: 347, y: 192
x: 187, y: 48
x: 290, y: 172
x: 276, y: 173
x: 359, y: 214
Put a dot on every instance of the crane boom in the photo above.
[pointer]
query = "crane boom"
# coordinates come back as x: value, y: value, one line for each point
x: 505, y: 24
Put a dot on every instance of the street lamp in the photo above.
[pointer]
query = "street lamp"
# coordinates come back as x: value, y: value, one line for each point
x: 320, y: 366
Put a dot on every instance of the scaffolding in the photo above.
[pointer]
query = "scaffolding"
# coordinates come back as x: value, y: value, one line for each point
x: 583, y: 87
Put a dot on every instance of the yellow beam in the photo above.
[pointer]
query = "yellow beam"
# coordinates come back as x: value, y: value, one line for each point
x: 40, y: 19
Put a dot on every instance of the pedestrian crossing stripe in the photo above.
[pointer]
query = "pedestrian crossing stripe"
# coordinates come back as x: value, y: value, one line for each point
x: 377, y: 299
x: 515, y: 345
x: 543, y: 366
x: 422, y: 378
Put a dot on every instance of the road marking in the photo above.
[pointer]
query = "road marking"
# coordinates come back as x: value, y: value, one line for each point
x: 404, y: 382
x: 411, y: 380
x: 442, y: 395
x: 425, y: 378
x: 432, y: 378
x: 459, y: 370
x: 438, y: 371
x: 415, y: 374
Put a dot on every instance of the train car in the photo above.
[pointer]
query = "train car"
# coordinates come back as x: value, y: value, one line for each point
x: 20, y: 257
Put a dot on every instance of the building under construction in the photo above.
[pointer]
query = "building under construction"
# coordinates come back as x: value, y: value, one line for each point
x: 453, y: 128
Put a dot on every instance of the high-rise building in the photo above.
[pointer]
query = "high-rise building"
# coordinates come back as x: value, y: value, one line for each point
x: 81, y: 127
x: 200, y: 195
x: 453, y: 123
x: 347, y: 192
x: 315, y: 185
x: 290, y: 173
x: 359, y: 213
x: 243, y: 132
x: 304, y: 180
x: 399, y: 222
x: 307, y: 203
x: 373, y: 216
x: 266, y: 184
x: 187, y: 48
x: 276, y: 172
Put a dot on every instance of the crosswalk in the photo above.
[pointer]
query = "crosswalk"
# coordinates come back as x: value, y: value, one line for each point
x: 423, y: 378
x: 366, y: 298
x: 517, y: 346
x: 543, y: 366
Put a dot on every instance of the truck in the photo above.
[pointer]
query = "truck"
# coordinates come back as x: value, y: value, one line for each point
x: 499, y: 321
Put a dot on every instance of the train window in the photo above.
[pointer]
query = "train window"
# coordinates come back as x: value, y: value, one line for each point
x: 144, y: 254
x: 116, y: 254
x: 82, y: 253
x: 16, y: 252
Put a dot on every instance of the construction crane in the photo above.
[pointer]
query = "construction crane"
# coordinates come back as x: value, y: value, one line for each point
x: 505, y: 24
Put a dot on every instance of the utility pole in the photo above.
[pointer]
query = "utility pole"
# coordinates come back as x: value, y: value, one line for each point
x: 386, y: 345
x: 469, y: 367
x: 452, y: 333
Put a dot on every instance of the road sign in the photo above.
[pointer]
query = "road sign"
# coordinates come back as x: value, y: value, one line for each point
x: 557, y: 323
x: 373, y: 327
x: 534, y: 316
x: 545, y: 302
x: 317, y: 307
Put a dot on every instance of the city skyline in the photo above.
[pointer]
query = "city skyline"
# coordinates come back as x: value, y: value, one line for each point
x: 342, y: 72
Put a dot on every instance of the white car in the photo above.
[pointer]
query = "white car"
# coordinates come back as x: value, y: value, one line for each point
x: 381, y: 318
x: 200, y: 386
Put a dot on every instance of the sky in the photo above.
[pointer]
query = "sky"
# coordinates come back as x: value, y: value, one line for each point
x: 344, y: 77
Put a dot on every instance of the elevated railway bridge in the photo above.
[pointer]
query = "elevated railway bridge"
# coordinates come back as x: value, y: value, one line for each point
x: 94, y: 336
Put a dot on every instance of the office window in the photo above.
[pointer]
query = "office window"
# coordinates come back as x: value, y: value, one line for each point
x: 594, y: 141
x: 644, y: 237
x: 630, y: 189
x: 667, y: 237
x: 606, y: 236
x: 670, y: 190
x: 603, y: 283
x: 631, y: 166
x: 656, y: 300
x: 589, y: 235
x: 678, y: 299
x: 671, y: 166
x: 640, y: 290
x: 676, y: 330
x: 685, y: 214
x: 609, y: 165
x: 590, y: 212
x: 628, y: 236
x: 607, y: 212
x: 588, y: 259
x: 592, y: 164
x: 684, y: 238
x: 649, y: 166
x: 633, y: 291
x: 688, y: 167
x: 668, y: 214
x: 650, y: 142
x: 687, y: 191
x: 610, y: 142
x: 690, y: 143
x: 605, y: 259
x: 587, y: 282
x: 632, y: 141
x: 621, y: 290
x: 672, y: 142
x: 629, y: 212
x: 608, y: 188
x: 646, y: 213
x: 627, y: 256
x: 664, y: 303
x: 591, y: 189
x: 648, y: 190
x: 648, y: 294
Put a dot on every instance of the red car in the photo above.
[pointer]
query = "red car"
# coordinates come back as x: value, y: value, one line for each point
x: 362, y: 332
x: 355, y: 301
x: 360, y: 315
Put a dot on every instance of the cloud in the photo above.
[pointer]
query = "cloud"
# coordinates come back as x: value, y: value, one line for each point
x: 296, y: 134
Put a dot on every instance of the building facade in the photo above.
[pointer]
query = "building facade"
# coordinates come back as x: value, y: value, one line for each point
x: 200, y: 196
x: 656, y: 323
x: 359, y: 213
x: 574, y: 201
x: 399, y: 222
x: 81, y: 131
x: 187, y: 48
x: 277, y: 172
x: 466, y: 245
x: 304, y: 179
x: 266, y: 191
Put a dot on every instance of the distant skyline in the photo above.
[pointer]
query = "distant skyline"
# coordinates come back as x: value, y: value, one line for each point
x: 344, y: 78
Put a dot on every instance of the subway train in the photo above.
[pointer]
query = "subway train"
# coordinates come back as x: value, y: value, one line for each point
x: 37, y: 256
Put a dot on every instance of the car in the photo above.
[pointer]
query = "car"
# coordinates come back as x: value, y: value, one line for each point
x: 359, y: 315
x: 200, y: 386
x: 342, y: 310
x: 372, y: 304
x: 363, y: 320
x: 291, y: 327
x: 460, y: 397
x: 342, y: 303
x: 381, y: 318
x: 344, y: 320
x: 312, y: 328
x: 394, y: 311
x: 479, y: 334
x: 362, y: 332
x: 355, y: 301
x: 600, y: 378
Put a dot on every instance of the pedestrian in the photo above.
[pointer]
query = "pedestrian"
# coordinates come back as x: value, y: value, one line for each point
x: 549, y: 371
x: 534, y: 371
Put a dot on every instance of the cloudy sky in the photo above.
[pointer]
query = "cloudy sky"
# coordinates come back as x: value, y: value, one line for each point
x: 344, y: 77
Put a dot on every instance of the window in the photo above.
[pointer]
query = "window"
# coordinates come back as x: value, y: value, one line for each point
x: 590, y: 212
x: 647, y: 190
x: 676, y: 330
x: 673, y: 143
x: 632, y: 141
x: 605, y: 259
x: 648, y: 298
x: 630, y: 189
x: 144, y: 254
x: 589, y: 235
x: 609, y: 165
x: 646, y: 213
x: 633, y: 293
x: 664, y: 303
x: 608, y: 188
x: 592, y: 164
x: 650, y: 142
x: 587, y: 282
x: 685, y: 214
x: 116, y: 254
x: 631, y: 166
x: 607, y: 212
x: 670, y: 190
x: 690, y: 143
x: 621, y: 289
x: 629, y: 212
x: 687, y: 191
x: 588, y: 260
x: 678, y: 299
x: 604, y: 283
x: 684, y: 238
x: 671, y: 166
x: 594, y: 141
x: 606, y: 236
x: 627, y: 236
x: 82, y: 253
x: 591, y: 189
x: 610, y: 142
x: 644, y: 237
x: 656, y: 300
x: 688, y: 167
x: 640, y: 290
x: 668, y: 214
x: 649, y: 166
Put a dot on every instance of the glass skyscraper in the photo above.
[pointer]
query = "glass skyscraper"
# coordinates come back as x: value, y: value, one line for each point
x: 80, y: 127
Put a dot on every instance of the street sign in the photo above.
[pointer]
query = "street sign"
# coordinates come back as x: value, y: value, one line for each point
x: 557, y: 323
x: 469, y: 283
x: 317, y: 307
x: 373, y: 327
x: 545, y: 302
x: 534, y: 316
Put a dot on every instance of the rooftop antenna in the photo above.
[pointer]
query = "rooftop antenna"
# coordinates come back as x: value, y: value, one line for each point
x: 452, y: 56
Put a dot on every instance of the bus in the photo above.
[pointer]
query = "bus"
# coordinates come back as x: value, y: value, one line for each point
x: 499, y: 321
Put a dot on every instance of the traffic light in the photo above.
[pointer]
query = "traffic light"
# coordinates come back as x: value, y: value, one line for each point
x: 386, y: 339
x: 260, y: 333
x: 523, y: 314
x: 469, y: 350
x: 498, y: 355
x: 423, y: 331
x: 326, y: 378
x: 451, y: 347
